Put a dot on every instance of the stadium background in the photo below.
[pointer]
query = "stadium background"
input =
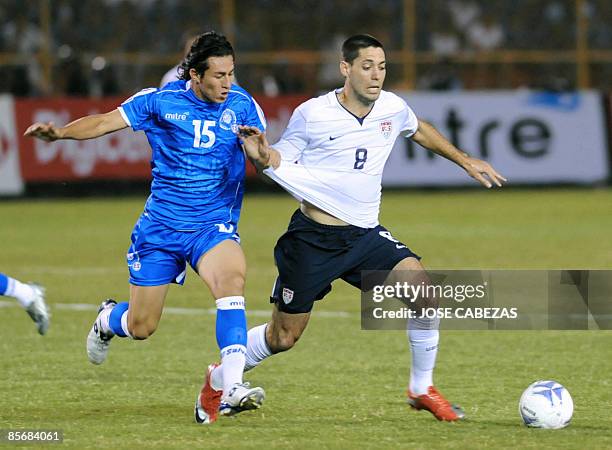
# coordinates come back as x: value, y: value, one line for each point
x: 488, y: 74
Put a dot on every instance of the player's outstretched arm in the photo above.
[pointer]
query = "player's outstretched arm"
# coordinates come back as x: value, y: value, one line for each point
x: 480, y: 170
x: 257, y: 148
x: 87, y: 127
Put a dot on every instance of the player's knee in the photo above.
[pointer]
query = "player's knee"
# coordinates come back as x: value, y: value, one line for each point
x: 227, y: 284
x: 141, y: 329
x: 282, y: 340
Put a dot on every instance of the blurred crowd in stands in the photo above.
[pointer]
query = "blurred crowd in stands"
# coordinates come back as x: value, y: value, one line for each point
x: 113, y: 47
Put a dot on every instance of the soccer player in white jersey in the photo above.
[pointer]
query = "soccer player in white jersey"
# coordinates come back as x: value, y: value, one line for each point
x: 191, y: 216
x: 331, y: 158
x: 30, y: 296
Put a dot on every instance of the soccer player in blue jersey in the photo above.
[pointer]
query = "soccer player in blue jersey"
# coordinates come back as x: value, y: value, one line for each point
x: 30, y: 296
x: 198, y: 168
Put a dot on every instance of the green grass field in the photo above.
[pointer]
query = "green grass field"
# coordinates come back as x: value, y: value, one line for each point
x: 340, y: 387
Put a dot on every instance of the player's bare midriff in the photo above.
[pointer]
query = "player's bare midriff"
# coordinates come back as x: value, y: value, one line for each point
x: 320, y: 216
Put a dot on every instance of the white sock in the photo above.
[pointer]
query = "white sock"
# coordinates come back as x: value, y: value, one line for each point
x: 232, y: 365
x: 124, y: 324
x: 24, y: 293
x: 257, y: 350
x: 424, y: 349
x: 216, y: 378
x: 105, y: 317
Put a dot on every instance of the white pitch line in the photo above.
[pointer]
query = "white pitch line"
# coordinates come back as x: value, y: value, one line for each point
x: 185, y: 311
x: 117, y: 269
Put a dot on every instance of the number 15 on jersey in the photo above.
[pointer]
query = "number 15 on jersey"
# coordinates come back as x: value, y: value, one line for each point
x: 203, y: 131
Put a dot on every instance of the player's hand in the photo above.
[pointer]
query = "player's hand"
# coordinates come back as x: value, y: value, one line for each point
x: 45, y: 131
x: 256, y: 146
x: 483, y: 172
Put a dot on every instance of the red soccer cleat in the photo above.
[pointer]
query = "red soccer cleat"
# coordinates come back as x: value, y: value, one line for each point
x: 436, y: 404
x: 207, y: 404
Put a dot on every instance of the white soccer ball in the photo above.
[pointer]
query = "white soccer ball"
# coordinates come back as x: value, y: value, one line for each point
x: 546, y: 404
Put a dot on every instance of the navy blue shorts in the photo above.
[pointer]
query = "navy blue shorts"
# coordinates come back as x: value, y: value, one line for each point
x: 159, y: 255
x: 310, y: 256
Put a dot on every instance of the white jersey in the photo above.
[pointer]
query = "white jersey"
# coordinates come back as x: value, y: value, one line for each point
x: 335, y: 160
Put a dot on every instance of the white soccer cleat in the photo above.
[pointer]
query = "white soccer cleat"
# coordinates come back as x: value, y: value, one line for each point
x: 38, y: 309
x: 241, y: 397
x: 97, y: 340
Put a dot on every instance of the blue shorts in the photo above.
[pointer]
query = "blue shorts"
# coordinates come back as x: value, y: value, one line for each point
x: 158, y: 254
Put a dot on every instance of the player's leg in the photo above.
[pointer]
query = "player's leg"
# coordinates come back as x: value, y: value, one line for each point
x: 278, y: 335
x: 30, y: 296
x: 155, y: 260
x: 423, y: 338
x: 223, y: 269
x: 423, y: 334
x: 379, y: 250
x: 136, y: 319
x: 307, y: 277
x: 284, y: 330
x: 309, y: 256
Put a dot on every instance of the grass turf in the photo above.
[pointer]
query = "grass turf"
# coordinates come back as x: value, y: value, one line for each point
x: 340, y: 387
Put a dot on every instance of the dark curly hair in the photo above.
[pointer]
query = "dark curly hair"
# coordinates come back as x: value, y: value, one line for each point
x: 206, y: 45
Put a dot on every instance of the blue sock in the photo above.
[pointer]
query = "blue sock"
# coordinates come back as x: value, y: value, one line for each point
x: 114, y: 320
x: 3, y: 283
x: 232, y: 339
x: 231, y: 327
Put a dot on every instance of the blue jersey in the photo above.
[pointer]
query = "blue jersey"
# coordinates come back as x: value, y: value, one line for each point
x: 197, y: 162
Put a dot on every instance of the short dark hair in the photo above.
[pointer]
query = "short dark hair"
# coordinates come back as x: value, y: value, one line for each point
x: 206, y: 45
x: 351, y: 47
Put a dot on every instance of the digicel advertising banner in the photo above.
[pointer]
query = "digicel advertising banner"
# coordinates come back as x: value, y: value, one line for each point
x: 120, y: 155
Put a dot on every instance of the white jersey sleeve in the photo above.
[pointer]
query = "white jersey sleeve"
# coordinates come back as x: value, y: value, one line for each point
x: 170, y: 76
x: 410, y: 123
x: 295, y: 138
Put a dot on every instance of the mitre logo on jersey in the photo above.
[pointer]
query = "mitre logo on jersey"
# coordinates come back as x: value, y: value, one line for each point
x: 177, y: 116
x: 385, y: 128
x: 287, y: 295
x: 228, y: 120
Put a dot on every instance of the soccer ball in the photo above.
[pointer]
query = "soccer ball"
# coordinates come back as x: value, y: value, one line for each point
x: 546, y: 404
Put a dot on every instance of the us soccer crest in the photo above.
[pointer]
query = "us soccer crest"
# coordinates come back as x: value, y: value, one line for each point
x: 287, y: 295
x: 386, y: 127
x: 228, y: 120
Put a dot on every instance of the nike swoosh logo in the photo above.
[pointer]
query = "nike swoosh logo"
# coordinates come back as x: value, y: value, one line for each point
x: 398, y: 246
x: 334, y: 138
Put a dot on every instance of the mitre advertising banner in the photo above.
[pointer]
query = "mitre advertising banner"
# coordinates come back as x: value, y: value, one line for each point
x: 529, y: 137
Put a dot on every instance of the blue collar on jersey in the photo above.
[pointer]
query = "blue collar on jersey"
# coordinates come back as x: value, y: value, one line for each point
x: 359, y: 119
